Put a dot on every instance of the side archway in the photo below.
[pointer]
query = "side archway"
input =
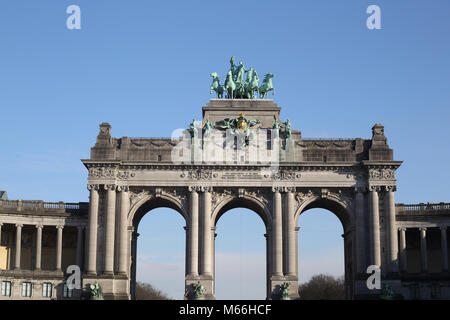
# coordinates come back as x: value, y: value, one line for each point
x: 142, y: 204
x: 342, y: 207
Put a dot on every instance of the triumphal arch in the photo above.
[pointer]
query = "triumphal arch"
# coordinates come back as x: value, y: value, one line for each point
x: 242, y: 154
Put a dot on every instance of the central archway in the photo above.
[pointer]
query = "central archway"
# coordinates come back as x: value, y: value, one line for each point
x: 231, y: 205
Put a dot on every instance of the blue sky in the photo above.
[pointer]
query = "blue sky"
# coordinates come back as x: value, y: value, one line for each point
x: 144, y: 67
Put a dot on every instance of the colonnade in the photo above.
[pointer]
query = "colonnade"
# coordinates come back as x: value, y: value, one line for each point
x: 423, y: 248
x: 38, y: 248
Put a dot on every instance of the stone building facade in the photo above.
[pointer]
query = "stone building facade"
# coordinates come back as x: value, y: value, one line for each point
x: 241, y: 155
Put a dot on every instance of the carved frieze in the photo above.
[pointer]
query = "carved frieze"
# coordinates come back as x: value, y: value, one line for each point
x: 199, y: 174
x: 381, y: 174
x: 110, y: 173
x: 285, y: 175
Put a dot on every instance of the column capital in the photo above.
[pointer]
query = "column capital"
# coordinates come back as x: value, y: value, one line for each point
x: 195, y: 188
x: 95, y: 187
x: 402, y: 229
x: 285, y: 189
x: 60, y: 227
x: 1, y: 224
x: 390, y: 188
x: 443, y: 228
x: 39, y: 226
x: 110, y: 187
x: 19, y: 225
x: 123, y: 188
x: 375, y: 188
x: 206, y: 188
x: 423, y: 229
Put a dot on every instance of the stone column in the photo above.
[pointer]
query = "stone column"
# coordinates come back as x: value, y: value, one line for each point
x: 403, y: 260
x: 193, y: 233
x: 59, y: 247
x: 110, y: 228
x: 444, y: 248
x: 92, y: 229
x: 360, y: 231
x: 277, y: 235
x: 80, y: 237
x: 213, y: 250
x: 374, y: 230
x: 391, y: 230
x: 268, y: 272
x: 18, y: 246
x: 133, y: 268
x: 38, y: 246
x: 291, y: 252
x: 123, y: 233
x: 296, y: 250
x: 206, y: 265
x: 1, y: 224
x: 187, y: 260
x: 423, y: 249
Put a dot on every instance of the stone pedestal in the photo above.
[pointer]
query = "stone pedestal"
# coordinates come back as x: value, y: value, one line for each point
x: 205, y: 280
x: 275, y: 284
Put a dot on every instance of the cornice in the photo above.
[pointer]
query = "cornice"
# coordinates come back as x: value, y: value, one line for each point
x: 303, y: 166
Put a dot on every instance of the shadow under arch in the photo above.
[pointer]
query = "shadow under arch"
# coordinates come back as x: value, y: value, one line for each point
x: 137, y: 211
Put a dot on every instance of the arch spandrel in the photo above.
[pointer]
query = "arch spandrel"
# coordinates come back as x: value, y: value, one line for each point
x: 144, y: 201
x: 226, y: 200
x: 336, y: 202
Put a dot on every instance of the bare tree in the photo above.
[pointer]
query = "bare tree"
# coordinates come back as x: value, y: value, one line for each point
x: 323, y: 287
x: 145, y: 291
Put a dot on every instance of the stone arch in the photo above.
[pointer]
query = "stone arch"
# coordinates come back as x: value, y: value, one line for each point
x: 143, y: 203
x: 342, y: 208
x: 149, y: 202
x: 246, y: 201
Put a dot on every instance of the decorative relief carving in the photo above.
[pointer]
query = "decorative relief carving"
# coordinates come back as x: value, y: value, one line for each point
x: 341, y: 144
x: 381, y: 174
x: 218, y: 195
x: 110, y: 173
x: 125, y: 175
x: 136, y: 196
x: 345, y: 197
x: 102, y: 172
x: 199, y: 174
x: 285, y: 175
